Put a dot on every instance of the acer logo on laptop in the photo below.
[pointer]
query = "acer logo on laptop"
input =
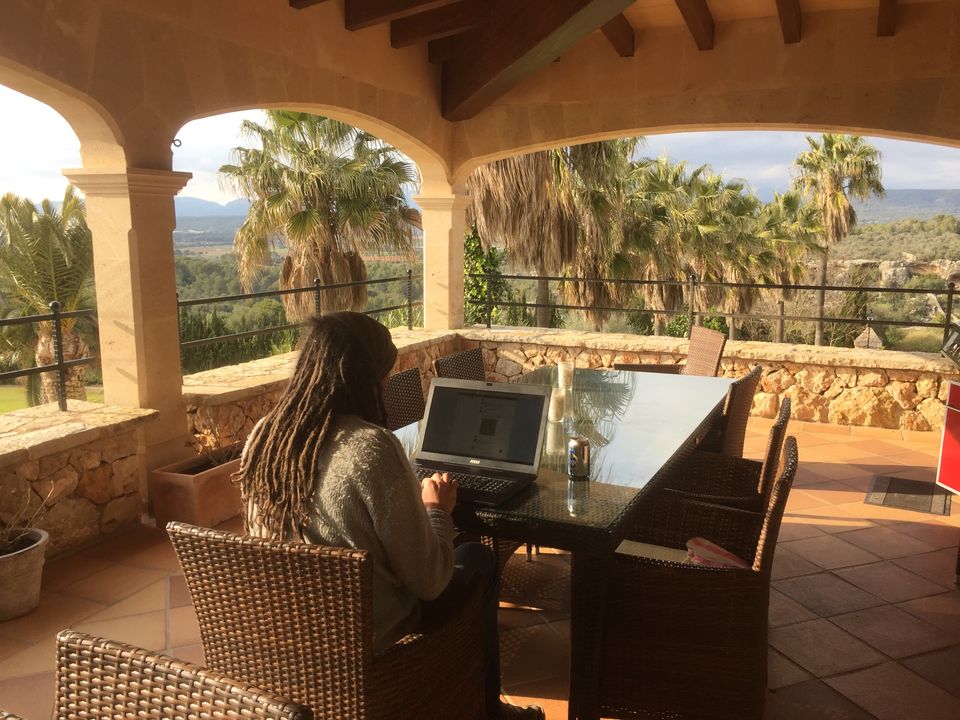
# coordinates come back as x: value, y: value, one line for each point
x: 474, y: 462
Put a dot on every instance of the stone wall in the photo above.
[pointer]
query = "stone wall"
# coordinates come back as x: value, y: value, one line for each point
x: 79, y: 473
x: 844, y: 386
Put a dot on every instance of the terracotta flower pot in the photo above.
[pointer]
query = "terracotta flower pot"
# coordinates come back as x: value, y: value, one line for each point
x: 22, y: 571
x: 194, y: 491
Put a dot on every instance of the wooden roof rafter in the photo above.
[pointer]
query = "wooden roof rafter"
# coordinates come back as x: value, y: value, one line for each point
x: 887, y: 18
x: 699, y: 21
x: 790, y: 20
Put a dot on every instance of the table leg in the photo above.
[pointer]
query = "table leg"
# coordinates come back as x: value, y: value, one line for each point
x: 588, y: 585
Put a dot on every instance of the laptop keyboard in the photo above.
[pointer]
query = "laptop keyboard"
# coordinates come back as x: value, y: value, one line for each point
x: 474, y: 483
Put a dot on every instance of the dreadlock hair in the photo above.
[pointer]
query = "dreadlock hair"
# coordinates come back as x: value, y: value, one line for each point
x: 342, y: 362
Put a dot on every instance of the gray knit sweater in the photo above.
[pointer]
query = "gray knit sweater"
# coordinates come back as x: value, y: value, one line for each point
x: 367, y: 497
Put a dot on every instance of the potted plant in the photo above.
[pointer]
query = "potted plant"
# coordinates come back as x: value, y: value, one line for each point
x: 199, y: 490
x: 22, y: 550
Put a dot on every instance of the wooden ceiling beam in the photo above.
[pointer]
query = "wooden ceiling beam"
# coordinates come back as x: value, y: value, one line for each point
x: 699, y: 21
x: 442, y: 22
x: 619, y: 32
x: 301, y: 4
x: 359, y: 14
x: 887, y: 18
x: 520, y: 38
x: 443, y: 49
x: 790, y: 20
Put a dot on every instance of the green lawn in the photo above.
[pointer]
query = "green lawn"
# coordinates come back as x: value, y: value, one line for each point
x: 14, y: 397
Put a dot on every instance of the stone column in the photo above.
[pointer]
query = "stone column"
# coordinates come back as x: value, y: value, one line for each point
x: 444, y: 222
x: 131, y: 216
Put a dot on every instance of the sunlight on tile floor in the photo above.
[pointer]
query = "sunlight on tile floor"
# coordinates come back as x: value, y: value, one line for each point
x: 864, y: 612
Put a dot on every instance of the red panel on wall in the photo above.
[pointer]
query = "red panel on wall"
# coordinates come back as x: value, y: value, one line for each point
x: 948, y: 473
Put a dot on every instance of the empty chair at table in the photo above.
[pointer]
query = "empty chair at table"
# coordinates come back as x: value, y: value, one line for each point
x: 403, y: 398
x: 703, y: 355
x: 730, y: 432
x: 297, y: 619
x: 684, y: 640
x: 108, y: 680
x: 464, y: 365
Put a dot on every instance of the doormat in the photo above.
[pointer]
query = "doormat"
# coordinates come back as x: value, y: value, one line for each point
x: 916, y: 495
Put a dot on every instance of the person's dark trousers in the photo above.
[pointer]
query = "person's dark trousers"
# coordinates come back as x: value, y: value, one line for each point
x: 473, y: 562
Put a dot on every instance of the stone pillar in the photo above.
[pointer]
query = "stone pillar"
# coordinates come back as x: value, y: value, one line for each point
x: 131, y: 216
x: 444, y: 222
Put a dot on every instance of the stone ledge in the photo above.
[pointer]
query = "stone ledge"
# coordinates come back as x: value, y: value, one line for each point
x: 35, y: 432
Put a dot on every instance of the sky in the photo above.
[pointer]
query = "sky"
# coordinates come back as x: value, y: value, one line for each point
x: 36, y: 144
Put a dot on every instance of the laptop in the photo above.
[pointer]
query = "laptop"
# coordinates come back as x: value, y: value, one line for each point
x: 486, y: 435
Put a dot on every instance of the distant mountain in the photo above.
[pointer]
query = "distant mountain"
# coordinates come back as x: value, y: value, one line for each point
x: 195, y: 207
x: 901, y: 204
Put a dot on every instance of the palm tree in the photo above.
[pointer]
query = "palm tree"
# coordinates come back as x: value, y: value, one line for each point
x: 832, y: 170
x: 328, y: 191
x: 47, y: 254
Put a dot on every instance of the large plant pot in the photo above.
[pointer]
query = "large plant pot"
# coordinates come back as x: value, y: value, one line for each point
x: 194, y: 491
x: 21, y: 572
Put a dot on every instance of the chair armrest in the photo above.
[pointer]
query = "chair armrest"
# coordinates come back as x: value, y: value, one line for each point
x: 710, y: 473
x: 665, y: 369
x: 752, y: 502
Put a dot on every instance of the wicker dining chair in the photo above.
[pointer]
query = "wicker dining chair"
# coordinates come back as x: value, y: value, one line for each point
x: 718, y: 478
x: 704, y: 352
x: 731, y: 431
x: 108, y: 680
x: 403, y: 398
x: 463, y: 365
x: 297, y: 619
x: 686, y: 641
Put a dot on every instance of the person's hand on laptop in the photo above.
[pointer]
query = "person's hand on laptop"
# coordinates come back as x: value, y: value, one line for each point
x: 439, y: 491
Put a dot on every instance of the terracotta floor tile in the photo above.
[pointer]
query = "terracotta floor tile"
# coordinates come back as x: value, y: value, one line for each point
x: 914, y: 472
x: 69, y: 569
x: 893, y: 631
x: 799, y: 501
x: 828, y: 518
x: 788, y: 564
x: 822, y: 428
x: 781, y: 672
x: 31, y: 697
x: 812, y: 700
x: 829, y: 552
x: 933, y: 533
x: 794, y: 531
x: 834, y: 469
x: 179, y: 594
x: 881, y: 447
x: 509, y: 618
x: 54, y: 613
x: 9, y: 647
x: 891, y: 692
x: 831, y: 492
x: 877, y: 512
x: 153, y: 597
x: 914, y: 458
x: 820, y: 647
x: 183, y: 628
x: 939, y: 667
x: 939, y: 566
x: 551, y: 694
x: 159, y: 555
x: 188, y: 653
x: 941, y: 610
x: 889, y: 581
x: 39, y: 657
x: 114, y: 583
x: 826, y: 594
x: 147, y: 631
x: 532, y: 653
x: 886, y: 542
x: 785, y: 611
x: 894, y: 436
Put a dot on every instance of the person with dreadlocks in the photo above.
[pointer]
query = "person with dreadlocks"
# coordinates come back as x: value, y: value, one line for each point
x: 321, y: 468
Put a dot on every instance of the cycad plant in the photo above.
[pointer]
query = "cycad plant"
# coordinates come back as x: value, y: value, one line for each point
x: 327, y: 191
x: 46, y: 254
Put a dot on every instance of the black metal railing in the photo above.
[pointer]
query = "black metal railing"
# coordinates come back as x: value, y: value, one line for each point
x: 692, y: 283
x: 56, y: 318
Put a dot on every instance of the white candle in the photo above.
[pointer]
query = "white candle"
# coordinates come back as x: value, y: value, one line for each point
x: 565, y: 373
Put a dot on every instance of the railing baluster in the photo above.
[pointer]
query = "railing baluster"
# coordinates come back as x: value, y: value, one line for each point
x: 409, y: 299
x: 948, y: 312
x: 316, y: 295
x: 780, y: 321
x: 489, y: 298
x: 691, y: 294
x: 58, y: 351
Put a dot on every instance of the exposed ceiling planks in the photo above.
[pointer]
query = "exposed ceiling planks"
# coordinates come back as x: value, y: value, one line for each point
x: 448, y: 20
x: 790, y: 20
x: 619, y: 32
x: 359, y: 14
x: 887, y: 18
x: 523, y: 38
x: 699, y: 21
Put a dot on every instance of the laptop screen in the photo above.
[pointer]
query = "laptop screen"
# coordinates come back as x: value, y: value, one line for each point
x: 498, y: 426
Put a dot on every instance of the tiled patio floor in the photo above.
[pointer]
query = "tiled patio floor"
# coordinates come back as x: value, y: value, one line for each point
x: 865, y: 615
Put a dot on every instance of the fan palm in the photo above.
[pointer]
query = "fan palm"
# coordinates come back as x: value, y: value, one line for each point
x: 834, y: 169
x: 328, y: 191
x: 46, y: 254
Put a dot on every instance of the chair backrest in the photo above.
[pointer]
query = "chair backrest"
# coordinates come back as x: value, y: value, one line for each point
x: 772, y: 458
x: 464, y: 365
x: 770, y: 529
x: 403, y: 398
x: 293, y: 618
x: 737, y: 412
x: 109, y: 680
x: 705, y: 351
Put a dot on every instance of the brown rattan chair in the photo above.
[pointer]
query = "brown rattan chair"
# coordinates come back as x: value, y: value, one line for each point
x: 464, y: 365
x: 106, y: 680
x: 732, y: 428
x: 718, y: 478
x: 403, y: 398
x: 297, y: 619
x: 687, y: 641
x: 703, y: 356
